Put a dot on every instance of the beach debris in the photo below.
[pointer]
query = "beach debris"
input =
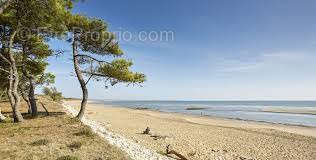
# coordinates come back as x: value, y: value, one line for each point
x: 153, y: 135
x: 168, y: 151
x: 146, y: 131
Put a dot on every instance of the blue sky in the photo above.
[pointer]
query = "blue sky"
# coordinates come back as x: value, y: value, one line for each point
x: 222, y: 50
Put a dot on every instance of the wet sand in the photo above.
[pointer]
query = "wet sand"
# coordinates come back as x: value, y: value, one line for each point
x: 207, y: 137
x: 291, y: 110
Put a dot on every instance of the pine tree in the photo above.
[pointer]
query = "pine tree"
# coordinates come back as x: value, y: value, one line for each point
x: 91, y: 37
x: 30, y: 15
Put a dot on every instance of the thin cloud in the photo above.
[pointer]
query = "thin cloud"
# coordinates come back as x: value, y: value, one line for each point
x: 285, y: 56
x: 262, y: 61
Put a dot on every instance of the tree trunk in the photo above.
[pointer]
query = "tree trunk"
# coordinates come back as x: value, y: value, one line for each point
x: 26, y: 99
x: 4, y: 6
x: 80, y: 78
x: 9, y: 91
x: 14, y: 86
x: 32, y: 97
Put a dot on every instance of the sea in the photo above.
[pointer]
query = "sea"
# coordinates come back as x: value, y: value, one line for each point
x: 242, y: 110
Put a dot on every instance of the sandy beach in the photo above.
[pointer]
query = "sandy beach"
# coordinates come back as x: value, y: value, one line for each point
x: 291, y: 111
x: 207, y: 137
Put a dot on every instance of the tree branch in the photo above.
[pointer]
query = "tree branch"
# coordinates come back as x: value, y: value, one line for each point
x: 87, y: 56
x: 4, y: 70
x: 94, y: 74
x: 5, y: 59
x: 88, y: 79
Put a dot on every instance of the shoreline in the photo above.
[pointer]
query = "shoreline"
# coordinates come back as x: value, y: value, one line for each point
x: 227, y: 118
x: 277, y: 110
x: 217, y: 117
x: 291, y: 111
x: 206, y: 137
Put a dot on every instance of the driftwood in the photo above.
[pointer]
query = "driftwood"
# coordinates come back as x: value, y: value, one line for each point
x: 154, y: 136
x: 147, y: 131
x: 168, y: 151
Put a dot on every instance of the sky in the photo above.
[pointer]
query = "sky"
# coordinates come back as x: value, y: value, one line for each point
x: 220, y: 50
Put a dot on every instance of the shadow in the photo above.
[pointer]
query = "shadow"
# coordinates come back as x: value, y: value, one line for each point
x: 40, y: 114
x: 43, y: 115
x: 142, y: 134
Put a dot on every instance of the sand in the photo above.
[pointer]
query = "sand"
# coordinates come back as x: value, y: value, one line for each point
x: 207, y: 137
x: 308, y: 111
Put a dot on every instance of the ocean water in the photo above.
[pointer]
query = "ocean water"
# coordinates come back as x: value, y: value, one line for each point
x: 244, y: 110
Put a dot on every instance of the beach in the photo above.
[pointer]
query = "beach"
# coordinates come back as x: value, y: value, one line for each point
x: 201, y: 137
x: 292, y: 111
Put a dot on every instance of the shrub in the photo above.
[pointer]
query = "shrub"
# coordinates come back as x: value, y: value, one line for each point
x: 85, y: 132
x: 53, y: 93
x: 74, y: 121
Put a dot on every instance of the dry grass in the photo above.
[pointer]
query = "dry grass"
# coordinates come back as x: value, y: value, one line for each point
x: 75, y: 145
x: 41, y: 142
x: 52, y: 137
x: 68, y: 158
x: 85, y: 131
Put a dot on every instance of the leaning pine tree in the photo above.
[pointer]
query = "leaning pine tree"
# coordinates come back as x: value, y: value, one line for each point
x: 34, y: 55
x: 91, y: 37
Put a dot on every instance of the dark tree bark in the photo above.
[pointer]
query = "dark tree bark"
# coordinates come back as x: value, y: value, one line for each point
x: 14, y: 82
x: 26, y: 99
x: 4, y: 6
x: 80, y: 79
x: 32, y: 97
x: 31, y: 94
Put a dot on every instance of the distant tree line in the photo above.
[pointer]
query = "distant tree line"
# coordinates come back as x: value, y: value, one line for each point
x: 26, y: 28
